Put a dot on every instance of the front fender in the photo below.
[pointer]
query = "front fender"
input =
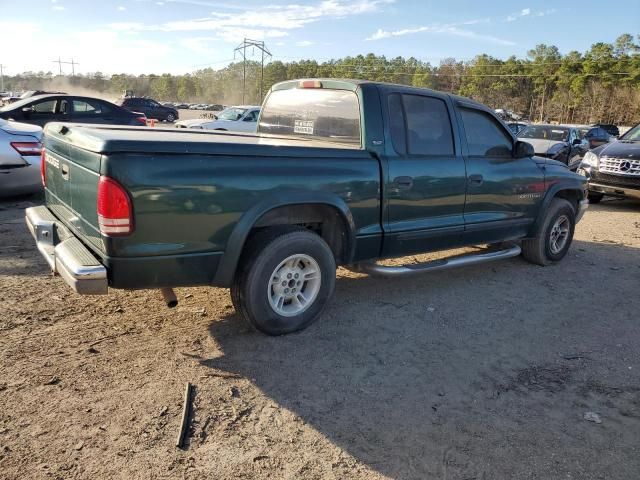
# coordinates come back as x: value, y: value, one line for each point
x: 572, y: 185
x: 235, y: 243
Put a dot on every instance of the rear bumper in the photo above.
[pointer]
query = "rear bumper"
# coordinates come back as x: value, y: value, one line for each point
x: 65, y: 254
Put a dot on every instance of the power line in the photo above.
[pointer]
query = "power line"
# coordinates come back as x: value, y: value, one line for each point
x: 461, y: 62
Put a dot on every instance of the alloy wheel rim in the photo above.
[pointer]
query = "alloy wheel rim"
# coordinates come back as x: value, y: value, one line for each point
x: 294, y: 285
x: 559, y: 234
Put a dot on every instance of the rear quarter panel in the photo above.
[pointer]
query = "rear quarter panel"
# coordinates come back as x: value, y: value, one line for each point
x: 189, y: 204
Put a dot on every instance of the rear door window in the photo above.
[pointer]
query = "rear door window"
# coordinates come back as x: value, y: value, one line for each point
x: 427, y: 125
x: 89, y: 108
x: 318, y: 113
x: 485, y: 136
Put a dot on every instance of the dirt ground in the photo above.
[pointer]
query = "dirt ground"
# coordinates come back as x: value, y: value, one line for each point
x: 477, y: 373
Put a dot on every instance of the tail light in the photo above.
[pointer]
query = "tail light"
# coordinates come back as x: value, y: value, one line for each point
x: 43, y: 168
x: 115, y: 212
x: 27, y: 149
x: 141, y: 120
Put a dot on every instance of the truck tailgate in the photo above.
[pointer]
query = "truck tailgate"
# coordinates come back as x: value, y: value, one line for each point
x: 71, y: 179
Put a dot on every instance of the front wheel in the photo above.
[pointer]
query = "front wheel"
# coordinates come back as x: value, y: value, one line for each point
x: 595, y: 197
x: 285, y: 279
x: 554, y: 237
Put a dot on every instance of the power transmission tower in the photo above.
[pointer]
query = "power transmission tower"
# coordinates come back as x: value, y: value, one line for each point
x: 59, y: 62
x: 2, y: 77
x: 72, y: 63
x: 242, y: 50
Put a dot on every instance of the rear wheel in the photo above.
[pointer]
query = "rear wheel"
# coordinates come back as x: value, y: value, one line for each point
x: 171, y: 117
x: 554, y: 237
x: 285, y: 279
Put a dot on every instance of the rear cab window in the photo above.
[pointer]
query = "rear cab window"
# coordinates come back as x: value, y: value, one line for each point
x: 316, y: 113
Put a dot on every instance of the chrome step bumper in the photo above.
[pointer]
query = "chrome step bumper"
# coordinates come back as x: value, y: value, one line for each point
x: 65, y: 254
x: 376, y: 269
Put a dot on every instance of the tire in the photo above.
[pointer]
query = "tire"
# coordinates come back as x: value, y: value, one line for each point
x: 595, y: 197
x: 542, y: 250
x: 170, y: 117
x: 281, y: 253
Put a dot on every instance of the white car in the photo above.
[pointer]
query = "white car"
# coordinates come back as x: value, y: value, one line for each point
x: 243, y: 118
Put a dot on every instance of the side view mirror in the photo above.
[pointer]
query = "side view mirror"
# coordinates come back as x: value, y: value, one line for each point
x: 27, y: 110
x: 523, y: 150
x: 248, y: 119
x: 577, y: 141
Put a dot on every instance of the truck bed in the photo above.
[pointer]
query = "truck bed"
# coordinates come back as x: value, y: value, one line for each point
x: 190, y: 189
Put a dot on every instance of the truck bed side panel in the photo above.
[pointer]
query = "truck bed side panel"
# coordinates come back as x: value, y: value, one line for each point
x: 189, y: 204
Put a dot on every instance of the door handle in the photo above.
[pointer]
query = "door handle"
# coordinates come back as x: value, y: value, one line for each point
x: 475, y: 179
x: 403, y: 182
x: 64, y: 171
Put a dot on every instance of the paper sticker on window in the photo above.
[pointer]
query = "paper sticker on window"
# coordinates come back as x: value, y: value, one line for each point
x: 303, y: 126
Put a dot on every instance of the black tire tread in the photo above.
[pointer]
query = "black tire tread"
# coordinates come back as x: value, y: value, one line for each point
x: 256, y: 242
x: 595, y: 197
x: 533, y: 249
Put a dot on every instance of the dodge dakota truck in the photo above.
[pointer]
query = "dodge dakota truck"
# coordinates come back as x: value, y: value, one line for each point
x: 339, y: 173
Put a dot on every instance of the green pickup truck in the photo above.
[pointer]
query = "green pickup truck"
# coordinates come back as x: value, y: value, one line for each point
x: 339, y: 173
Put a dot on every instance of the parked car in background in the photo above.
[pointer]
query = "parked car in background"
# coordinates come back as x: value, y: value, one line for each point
x: 610, y: 128
x: 42, y: 109
x: 597, y: 136
x: 242, y: 118
x: 556, y: 142
x: 614, y: 168
x: 516, y: 127
x: 216, y: 107
x: 181, y: 105
x: 150, y: 108
x: 20, y: 150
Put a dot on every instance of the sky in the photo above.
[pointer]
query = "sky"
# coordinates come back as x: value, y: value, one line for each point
x: 180, y: 36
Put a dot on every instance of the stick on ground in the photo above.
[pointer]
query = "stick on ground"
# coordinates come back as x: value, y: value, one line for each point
x: 186, y: 408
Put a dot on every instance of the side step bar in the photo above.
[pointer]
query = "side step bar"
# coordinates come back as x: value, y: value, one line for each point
x: 375, y: 269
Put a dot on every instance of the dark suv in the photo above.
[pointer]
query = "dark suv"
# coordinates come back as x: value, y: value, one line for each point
x: 610, y: 128
x: 614, y: 168
x: 150, y: 108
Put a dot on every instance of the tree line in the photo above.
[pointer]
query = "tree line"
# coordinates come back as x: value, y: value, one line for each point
x: 599, y: 85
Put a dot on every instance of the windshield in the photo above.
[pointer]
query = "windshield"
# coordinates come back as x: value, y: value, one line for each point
x: 632, y: 135
x: 324, y: 114
x: 232, y: 114
x: 545, y: 132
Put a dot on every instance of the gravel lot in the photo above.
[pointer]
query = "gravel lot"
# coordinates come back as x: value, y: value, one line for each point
x: 478, y: 373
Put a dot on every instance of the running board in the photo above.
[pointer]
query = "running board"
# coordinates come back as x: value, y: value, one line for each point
x: 376, y: 269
